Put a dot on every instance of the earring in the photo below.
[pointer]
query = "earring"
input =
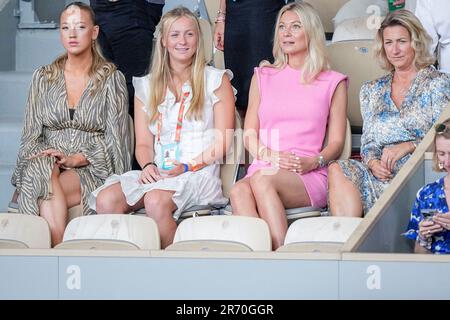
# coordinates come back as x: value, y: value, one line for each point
x: 440, y: 165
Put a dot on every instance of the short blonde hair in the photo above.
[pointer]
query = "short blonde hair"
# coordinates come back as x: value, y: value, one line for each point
x: 316, y: 61
x: 160, y: 67
x: 420, y: 39
x: 440, y: 130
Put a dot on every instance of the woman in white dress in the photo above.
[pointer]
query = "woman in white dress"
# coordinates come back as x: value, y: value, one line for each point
x: 184, y: 119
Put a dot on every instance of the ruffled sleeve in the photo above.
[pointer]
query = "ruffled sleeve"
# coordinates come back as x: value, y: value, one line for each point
x: 214, y: 80
x: 142, y: 90
x: 113, y: 154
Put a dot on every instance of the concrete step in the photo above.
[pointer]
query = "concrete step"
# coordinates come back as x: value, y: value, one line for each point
x: 36, y: 47
x: 10, y: 133
x: 14, y: 87
x: 6, y: 189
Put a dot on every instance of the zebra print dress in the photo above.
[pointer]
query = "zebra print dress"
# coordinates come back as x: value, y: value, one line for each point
x: 99, y: 130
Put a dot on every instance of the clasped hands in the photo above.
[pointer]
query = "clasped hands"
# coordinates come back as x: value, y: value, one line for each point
x: 292, y: 162
x: 383, y: 168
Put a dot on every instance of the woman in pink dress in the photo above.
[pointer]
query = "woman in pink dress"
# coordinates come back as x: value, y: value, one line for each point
x: 292, y: 104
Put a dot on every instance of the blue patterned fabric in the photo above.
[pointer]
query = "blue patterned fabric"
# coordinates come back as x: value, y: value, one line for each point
x: 431, y: 196
x: 386, y: 125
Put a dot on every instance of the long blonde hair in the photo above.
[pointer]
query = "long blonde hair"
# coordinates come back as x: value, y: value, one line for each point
x: 160, y: 68
x: 316, y: 60
x: 100, y: 68
x: 420, y: 40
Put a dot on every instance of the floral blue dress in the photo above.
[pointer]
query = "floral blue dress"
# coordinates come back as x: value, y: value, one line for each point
x: 431, y: 196
x: 386, y: 125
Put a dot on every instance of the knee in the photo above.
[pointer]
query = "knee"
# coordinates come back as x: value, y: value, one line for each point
x: 334, y: 173
x: 108, y: 202
x: 238, y: 190
x: 156, y: 204
x: 260, y: 182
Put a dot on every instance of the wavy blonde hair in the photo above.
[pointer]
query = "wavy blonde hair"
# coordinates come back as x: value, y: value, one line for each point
x: 160, y: 68
x: 100, y: 68
x: 420, y: 39
x: 316, y: 60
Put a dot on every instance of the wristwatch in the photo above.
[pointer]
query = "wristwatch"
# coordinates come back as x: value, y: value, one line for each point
x: 321, y: 161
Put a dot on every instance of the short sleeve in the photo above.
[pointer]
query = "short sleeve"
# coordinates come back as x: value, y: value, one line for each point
x: 142, y: 89
x: 214, y: 80
x: 335, y: 80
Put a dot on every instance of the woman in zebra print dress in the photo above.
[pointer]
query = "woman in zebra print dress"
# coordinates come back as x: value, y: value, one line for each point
x: 76, y: 130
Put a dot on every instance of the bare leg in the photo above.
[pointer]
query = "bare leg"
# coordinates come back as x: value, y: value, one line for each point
x: 70, y: 184
x: 345, y: 198
x: 54, y: 210
x: 274, y: 193
x: 15, y: 196
x: 242, y: 199
x: 160, y: 207
x: 112, y: 200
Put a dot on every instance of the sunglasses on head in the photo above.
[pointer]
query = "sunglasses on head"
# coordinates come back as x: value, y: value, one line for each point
x: 442, y: 128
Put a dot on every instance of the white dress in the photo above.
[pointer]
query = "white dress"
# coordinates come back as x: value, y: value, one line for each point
x: 202, y: 187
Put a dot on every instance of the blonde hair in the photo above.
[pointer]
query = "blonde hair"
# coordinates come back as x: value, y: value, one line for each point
x: 160, y: 68
x: 445, y: 133
x: 420, y: 39
x: 100, y: 68
x: 316, y: 60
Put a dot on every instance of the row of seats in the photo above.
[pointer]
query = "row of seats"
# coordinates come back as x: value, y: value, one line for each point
x: 208, y: 233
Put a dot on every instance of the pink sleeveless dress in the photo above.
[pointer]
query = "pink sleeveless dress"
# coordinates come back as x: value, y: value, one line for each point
x: 293, y: 117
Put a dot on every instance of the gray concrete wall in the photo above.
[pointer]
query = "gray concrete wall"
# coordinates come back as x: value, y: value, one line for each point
x: 8, y: 27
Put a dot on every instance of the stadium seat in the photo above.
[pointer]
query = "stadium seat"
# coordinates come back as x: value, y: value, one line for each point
x: 359, y: 9
x: 218, y: 59
x: 356, y: 60
x: 354, y: 29
x: 111, y: 232
x: 206, y: 30
x: 212, y: 6
x: 23, y: 231
x: 222, y: 233
x: 320, y: 234
x: 327, y: 10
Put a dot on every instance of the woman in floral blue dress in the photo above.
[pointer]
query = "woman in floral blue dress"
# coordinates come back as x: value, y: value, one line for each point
x: 430, y: 219
x: 398, y: 109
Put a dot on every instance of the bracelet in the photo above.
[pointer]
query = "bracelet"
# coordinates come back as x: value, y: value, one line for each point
x: 186, y: 167
x: 414, y: 144
x: 220, y: 17
x: 148, y: 164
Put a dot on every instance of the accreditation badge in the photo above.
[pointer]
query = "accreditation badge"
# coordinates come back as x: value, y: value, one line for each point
x: 169, y: 153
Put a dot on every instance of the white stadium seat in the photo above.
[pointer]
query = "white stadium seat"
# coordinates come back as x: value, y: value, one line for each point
x: 325, y: 234
x: 222, y: 233
x: 23, y: 231
x: 354, y: 29
x: 360, y: 8
x: 111, y: 232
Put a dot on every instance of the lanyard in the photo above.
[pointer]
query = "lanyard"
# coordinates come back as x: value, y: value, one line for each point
x: 179, y: 120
